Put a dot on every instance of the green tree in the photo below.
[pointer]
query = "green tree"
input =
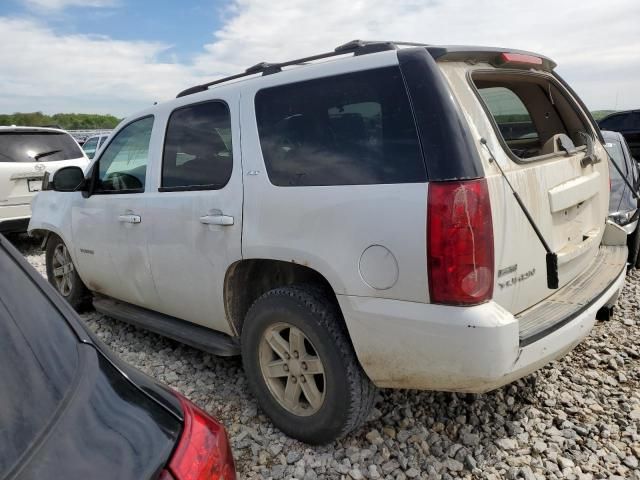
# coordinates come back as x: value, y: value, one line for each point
x: 66, y: 121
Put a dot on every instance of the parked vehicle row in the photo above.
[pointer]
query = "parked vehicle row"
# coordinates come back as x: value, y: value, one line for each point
x: 401, y: 216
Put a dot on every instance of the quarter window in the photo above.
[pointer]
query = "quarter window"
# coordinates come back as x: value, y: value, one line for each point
x: 197, y: 148
x: 343, y: 130
x: 123, y: 164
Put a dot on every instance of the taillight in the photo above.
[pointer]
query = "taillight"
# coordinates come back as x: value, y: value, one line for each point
x: 203, y: 452
x: 459, y: 242
x: 518, y: 59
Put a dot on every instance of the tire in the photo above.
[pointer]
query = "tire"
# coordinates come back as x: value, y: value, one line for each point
x: 347, y: 393
x: 71, y: 287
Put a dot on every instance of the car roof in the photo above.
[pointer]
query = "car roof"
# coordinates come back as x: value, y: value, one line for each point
x: 19, y: 129
x: 611, y: 136
x: 258, y: 72
x: 621, y: 112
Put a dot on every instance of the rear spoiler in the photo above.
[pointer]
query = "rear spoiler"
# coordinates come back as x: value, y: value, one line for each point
x: 492, y: 55
x: 502, y: 57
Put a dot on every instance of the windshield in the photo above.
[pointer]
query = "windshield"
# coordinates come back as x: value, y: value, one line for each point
x: 37, y: 147
x: 38, y: 360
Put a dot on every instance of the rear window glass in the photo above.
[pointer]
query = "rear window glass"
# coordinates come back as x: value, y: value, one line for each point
x: 343, y: 130
x: 37, y: 147
x: 38, y: 359
x: 531, y: 112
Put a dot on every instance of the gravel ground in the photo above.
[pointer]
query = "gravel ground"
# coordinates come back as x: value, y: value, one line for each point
x: 577, y: 418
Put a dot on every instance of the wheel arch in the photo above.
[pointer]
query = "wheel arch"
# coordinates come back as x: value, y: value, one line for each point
x: 246, y: 280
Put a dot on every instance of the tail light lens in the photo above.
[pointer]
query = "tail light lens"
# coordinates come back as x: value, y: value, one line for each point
x: 459, y: 242
x: 203, y: 452
x: 508, y: 58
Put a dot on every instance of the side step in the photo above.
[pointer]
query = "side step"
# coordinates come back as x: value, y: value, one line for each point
x: 188, y: 333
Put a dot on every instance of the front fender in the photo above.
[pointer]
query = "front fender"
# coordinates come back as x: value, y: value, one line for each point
x: 51, y: 213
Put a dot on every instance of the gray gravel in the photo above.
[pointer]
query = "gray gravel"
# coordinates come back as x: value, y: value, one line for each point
x: 577, y: 418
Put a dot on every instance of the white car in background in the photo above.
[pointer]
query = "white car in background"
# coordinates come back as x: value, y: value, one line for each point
x: 92, y: 144
x: 26, y: 153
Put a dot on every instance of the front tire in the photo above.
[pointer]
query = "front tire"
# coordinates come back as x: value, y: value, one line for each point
x: 62, y: 274
x: 301, y: 365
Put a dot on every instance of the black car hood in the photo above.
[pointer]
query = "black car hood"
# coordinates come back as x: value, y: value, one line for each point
x: 105, y: 429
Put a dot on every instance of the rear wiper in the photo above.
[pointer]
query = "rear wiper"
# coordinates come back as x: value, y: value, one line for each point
x: 38, y: 156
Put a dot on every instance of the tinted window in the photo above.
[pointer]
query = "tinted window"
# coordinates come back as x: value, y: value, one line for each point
x: 123, y: 164
x: 635, y: 121
x: 37, y: 147
x: 197, y: 147
x: 343, y: 130
x: 38, y: 359
x: 102, y: 140
x: 509, y: 112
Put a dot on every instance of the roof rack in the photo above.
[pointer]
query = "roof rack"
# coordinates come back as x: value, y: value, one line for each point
x: 357, y: 47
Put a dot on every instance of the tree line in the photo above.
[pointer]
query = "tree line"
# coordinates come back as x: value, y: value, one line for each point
x: 66, y: 121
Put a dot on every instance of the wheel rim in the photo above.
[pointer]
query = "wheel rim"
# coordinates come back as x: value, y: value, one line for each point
x: 62, y: 270
x: 292, y: 369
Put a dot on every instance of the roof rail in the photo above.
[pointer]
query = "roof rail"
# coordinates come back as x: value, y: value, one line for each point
x: 357, y: 47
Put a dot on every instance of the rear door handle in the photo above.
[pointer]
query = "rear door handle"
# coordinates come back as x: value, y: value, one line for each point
x: 129, y: 218
x: 217, y: 220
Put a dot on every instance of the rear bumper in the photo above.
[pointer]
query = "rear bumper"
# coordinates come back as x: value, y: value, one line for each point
x: 464, y: 349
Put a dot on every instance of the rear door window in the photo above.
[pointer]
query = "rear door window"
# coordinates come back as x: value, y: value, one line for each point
x: 197, y: 148
x: 37, y: 147
x: 38, y: 361
x: 348, y: 129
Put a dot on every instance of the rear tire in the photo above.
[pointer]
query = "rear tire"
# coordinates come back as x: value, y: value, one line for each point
x: 310, y: 383
x: 62, y: 274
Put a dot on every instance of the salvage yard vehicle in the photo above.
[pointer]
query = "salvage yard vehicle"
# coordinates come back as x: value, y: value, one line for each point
x: 628, y: 124
x: 70, y: 408
x: 385, y: 214
x: 623, y: 205
x: 26, y: 153
x: 92, y: 144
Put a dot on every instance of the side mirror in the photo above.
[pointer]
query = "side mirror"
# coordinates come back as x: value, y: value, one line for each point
x: 67, y: 179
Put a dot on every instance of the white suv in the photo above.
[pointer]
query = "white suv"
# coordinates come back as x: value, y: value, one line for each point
x: 26, y: 153
x: 402, y: 216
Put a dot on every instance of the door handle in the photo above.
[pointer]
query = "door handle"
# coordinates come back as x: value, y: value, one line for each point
x: 217, y: 220
x: 129, y: 218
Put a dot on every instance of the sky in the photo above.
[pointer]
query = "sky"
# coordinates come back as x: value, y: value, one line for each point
x: 119, y: 56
